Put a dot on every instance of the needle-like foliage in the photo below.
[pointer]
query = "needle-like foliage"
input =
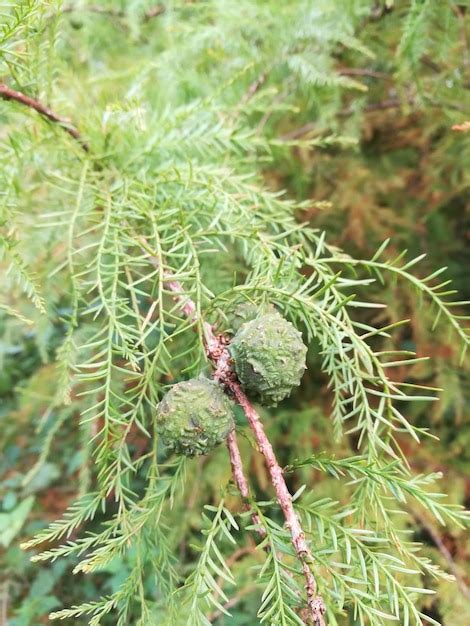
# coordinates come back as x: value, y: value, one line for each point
x: 182, y: 110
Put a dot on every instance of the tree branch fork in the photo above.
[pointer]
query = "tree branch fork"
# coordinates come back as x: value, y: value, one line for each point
x: 217, y: 352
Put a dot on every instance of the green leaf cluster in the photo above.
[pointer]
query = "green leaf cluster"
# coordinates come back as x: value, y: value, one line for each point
x: 211, y: 125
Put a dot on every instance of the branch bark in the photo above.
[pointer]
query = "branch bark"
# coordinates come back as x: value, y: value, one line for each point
x: 216, y: 348
x: 314, y: 601
x: 6, y: 93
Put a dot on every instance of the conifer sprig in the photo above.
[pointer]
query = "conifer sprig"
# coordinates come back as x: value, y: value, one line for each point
x: 216, y: 347
x: 180, y: 162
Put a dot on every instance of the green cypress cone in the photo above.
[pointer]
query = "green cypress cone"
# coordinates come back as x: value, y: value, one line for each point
x: 195, y: 416
x: 245, y: 312
x: 269, y: 357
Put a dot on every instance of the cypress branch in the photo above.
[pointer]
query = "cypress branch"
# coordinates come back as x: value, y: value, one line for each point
x: 6, y: 93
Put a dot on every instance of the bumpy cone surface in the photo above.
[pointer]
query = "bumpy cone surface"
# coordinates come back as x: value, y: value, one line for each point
x: 245, y: 312
x: 269, y: 357
x: 195, y: 416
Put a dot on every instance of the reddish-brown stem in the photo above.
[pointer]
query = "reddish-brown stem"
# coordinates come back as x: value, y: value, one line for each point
x: 240, y: 480
x: 216, y: 348
x: 254, y: 87
x: 284, y: 498
x: 224, y: 373
x: 6, y: 93
x: 237, y: 467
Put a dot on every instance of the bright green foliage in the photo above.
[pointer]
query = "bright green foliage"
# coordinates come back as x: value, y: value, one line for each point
x: 204, y: 586
x: 269, y: 357
x: 247, y: 142
x: 194, y: 417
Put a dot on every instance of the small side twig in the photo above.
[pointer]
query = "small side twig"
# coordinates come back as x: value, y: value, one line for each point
x: 6, y: 93
x: 240, y: 480
x: 254, y: 87
x: 216, y: 348
x: 363, y: 71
